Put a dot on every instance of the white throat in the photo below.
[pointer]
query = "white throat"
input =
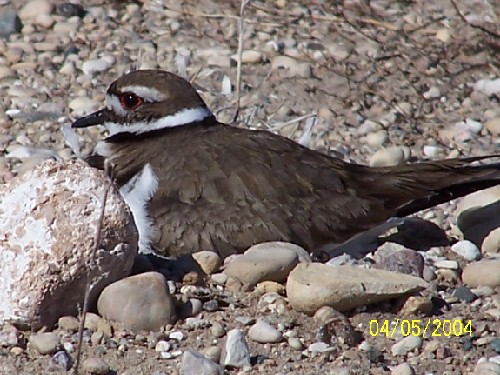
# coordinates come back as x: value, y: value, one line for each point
x: 183, y: 117
x: 137, y: 193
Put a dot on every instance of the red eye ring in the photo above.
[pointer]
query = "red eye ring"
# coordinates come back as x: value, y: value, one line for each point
x: 130, y: 101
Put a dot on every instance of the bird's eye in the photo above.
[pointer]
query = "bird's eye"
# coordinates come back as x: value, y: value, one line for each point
x: 130, y: 101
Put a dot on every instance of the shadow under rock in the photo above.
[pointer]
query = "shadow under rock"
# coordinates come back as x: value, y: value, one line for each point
x: 413, y: 233
x: 478, y: 222
x: 172, y: 268
x: 418, y: 234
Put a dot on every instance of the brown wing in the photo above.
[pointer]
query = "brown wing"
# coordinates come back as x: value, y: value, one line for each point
x: 226, y: 188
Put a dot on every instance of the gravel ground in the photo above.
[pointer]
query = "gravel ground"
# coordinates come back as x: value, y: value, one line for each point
x: 384, y: 80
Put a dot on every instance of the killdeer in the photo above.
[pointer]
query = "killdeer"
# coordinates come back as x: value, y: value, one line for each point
x: 194, y: 184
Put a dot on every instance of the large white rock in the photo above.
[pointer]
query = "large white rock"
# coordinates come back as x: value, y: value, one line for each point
x: 48, y: 224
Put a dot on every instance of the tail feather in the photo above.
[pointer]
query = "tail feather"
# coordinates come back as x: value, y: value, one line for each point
x: 427, y: 184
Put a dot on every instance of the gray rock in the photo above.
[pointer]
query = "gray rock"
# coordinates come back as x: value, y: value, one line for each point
x: 466, y: 249
x: 264, y: 263
x: 91, y: 67
x: 70, y: 10
x: 35, y: 8
x: 236, y: 351
x: 191, y: 308
x: 406, y: 345
x: 320, y: 347
x: 482, y: 273
x: 96, y: 366
x: 464, y: 294
x: 406, y: 261
x: 313, y: 285
x: 163, y: 346
x: 68, y: 323
x: 194, y: 363
x: 213, y: 353
x: 44, y: 343
x: 487, y: 368
x: 491, y: 243
x: 390, y: 156
x: 249, y: 57
x: 60, y: 361
x: 403, y: 369
x: 176, y: 335
x: 10, y: 23
x: 295, y: 344
x: 262, y: 332
x: 446, y: 264
x: 493, y: 126
x: 209, y: 261
x: 217, y: 330
x: 140, y: 302
x: 83, y: 105
x: 9, y: 337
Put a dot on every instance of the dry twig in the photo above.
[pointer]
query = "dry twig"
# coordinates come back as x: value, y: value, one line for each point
x: 473, y: 25
x: 241, y: 25
x: 92, y: 258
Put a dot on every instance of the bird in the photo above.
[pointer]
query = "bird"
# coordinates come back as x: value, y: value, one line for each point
x: 193, y: 183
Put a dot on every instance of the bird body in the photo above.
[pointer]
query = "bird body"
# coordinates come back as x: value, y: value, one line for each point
x: 195, y: 184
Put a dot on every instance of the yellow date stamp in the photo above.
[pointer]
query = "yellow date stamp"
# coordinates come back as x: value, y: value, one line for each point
x: 420, y: 327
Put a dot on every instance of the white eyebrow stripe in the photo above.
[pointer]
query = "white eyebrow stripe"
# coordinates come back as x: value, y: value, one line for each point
x: 114, y: 105
x: 147, y: 93
x: 183, y: 117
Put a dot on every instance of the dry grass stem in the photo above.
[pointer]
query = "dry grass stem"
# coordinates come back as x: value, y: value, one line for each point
x: 241, y: 29
x: 92, y: 259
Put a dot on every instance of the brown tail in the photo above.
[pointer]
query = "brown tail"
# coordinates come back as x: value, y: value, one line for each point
x: 414, y: 187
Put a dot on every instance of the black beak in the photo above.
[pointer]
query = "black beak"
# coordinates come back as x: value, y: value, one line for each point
x: 96, y: 118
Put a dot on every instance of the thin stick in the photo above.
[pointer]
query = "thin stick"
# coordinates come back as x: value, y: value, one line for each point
x: 279, y: 125
x: 92, y: 257
x: 473, y: 25
x: 239, y: 54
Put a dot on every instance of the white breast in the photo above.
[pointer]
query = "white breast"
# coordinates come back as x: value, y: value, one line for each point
x: 137, y: 192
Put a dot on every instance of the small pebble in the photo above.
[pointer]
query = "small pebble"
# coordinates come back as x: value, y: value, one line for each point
x: 217, y: 330
x: 68, y: 323
x: 91, y: 67
x: 9, y: 23
x: 464, y: 294
x: 70, y: 10
x: 466, y: 249
x: 249, y: 57
x: 44, y: 343
x: 60, y: 361
x: 9, y: 337
x: 447, y: 264
x: 320, y: 347
x: 403, y: 369
x: 176, y: 335
x: 163, y: 346
x: 495, y: 345
x: 96, y: 366
x: 387, y: 157
x: 295, y: 343
x: 406, y: 345
x: 262, y: 332
x: 211, y: 306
